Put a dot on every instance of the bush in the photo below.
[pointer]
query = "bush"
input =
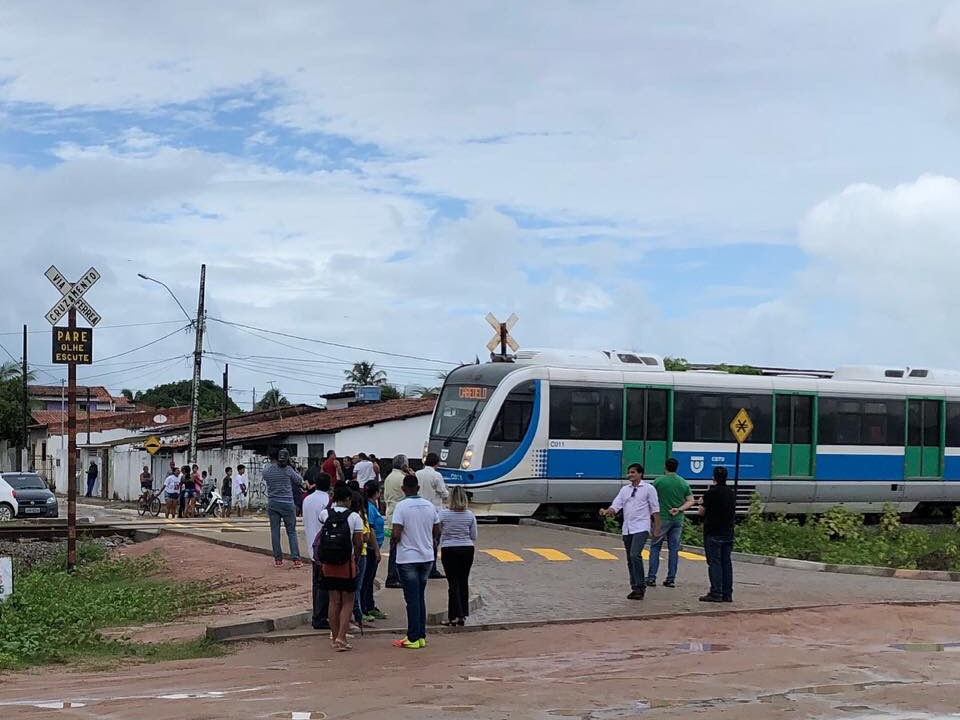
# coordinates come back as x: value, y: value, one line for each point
x: 841, y: 524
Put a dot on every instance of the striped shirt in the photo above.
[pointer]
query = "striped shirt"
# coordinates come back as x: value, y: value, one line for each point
x: 457, y: 529
x: 277, y: 480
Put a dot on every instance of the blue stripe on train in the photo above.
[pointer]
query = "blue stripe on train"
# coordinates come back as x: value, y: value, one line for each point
x: 859, y: 467
x: 699, y: 465
x: 951, y: 467
x: 583, y: 463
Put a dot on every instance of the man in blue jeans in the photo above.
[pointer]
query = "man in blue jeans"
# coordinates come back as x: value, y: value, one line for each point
x: 641, y: 510
x: 675, y: 498
x: 416, y: 529
x: 280, y: 478
x: 718, y: 508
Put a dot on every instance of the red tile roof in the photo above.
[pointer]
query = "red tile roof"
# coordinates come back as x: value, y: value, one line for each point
x: 99, y: 421
x: 97, y: 392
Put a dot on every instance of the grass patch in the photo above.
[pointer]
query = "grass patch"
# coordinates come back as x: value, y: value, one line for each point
x: 56, y: 617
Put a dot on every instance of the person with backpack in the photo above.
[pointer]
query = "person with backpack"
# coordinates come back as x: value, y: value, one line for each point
x: 337, y: 547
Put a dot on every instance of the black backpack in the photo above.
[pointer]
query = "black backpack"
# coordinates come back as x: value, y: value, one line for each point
x: 334, y: 542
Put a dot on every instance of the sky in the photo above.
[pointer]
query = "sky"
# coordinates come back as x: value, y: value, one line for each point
x: 770, y: 183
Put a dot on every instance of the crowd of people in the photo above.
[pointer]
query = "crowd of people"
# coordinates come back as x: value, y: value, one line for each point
x: 349, y: 513
x: 348, y: 516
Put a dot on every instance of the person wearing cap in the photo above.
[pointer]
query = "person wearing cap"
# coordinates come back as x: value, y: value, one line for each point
x: 280, y: 478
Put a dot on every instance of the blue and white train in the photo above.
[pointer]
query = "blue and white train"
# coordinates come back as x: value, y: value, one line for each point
x: 553, y: 431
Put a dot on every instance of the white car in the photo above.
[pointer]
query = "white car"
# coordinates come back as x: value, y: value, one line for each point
x: 8, y: 501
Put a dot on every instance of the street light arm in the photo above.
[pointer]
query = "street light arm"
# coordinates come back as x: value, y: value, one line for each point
x: 164, y: 285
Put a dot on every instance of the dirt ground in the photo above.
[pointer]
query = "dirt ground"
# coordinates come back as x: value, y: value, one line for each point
x: 263, y: 588
x: 836, y: 663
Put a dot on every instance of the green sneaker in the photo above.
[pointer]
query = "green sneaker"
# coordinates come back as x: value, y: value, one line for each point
x: 378, y: 614
x: 369, y: 618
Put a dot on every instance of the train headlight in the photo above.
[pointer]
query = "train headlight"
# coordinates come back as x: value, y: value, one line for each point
x: 467, y: 459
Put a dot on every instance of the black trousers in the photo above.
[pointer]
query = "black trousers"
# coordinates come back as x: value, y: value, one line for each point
x: 321, y: 599
x: 457, y: 562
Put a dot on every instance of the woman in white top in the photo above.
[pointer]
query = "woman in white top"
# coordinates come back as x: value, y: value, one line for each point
x: 458, y: 535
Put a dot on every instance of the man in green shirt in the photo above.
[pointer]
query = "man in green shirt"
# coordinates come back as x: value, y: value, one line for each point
x: 675, y: 497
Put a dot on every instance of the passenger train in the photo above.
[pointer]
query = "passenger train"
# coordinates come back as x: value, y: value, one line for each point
x: 552, y: 431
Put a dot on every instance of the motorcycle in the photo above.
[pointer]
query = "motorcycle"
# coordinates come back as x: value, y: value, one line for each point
x: 211, y: 503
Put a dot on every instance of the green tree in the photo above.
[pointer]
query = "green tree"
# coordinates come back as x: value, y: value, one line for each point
x: 128, y: 394
x: 389, y: 392
x: 179, y: 394
x: 11, y: 410
x: 272, y: 399
x: 676, y: 364
x: 11, y: 371
x: 363, y: 373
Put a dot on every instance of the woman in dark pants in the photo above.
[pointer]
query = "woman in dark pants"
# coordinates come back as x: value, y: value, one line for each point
x: 458, y: 537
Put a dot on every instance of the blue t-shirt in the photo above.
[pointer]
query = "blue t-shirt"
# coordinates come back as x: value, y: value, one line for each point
x: 375, y: 519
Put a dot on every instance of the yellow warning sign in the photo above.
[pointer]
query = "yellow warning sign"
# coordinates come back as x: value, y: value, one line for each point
x: 151, y: 444
x: 742, y: 426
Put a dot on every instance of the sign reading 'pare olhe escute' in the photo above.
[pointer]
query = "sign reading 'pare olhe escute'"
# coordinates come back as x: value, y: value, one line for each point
x: 72, y: 346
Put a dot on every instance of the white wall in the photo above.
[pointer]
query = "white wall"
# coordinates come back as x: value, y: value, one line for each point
x: 385, y: 439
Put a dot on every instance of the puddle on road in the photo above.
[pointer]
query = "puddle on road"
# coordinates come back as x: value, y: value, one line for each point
x: 300, y: 715
x: 60, y: 705
x: 699, y: 647
x: 928, y: 647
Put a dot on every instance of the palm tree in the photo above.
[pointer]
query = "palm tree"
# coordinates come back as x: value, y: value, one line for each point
x: 11, y: 371
x: 363, y: 373
x: 272, y: 399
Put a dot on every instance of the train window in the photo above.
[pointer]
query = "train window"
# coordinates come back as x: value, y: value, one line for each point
x: 514, y: 417
x: 625, y: 358
x: 586, y: 414
x: 647, y: 414
x: 794, y: 413
x: 658, y: 414
x: 931, y: 423
x: 914, y: 423
x: 852, y: 421
x: 953, y: 424
x: 760, y: 408
x: 705, y: 417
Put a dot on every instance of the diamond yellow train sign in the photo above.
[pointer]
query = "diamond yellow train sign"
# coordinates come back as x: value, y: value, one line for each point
x: 741, y: 426
x: 152, y: 444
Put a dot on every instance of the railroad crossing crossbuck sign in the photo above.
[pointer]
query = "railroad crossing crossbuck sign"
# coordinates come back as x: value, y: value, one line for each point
x: 72, y: 295
x: 742, y: 426
x: 501, y: 331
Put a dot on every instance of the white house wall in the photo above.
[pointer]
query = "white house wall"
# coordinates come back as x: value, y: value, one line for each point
x: 385, y: 439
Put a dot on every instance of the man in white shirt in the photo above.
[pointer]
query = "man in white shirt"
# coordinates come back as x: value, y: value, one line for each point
x: 171, y: 493
x: 363, y: 470
x: 313, y: 505
x: 641, y: 509
x: 434, y: 489
x: 240, y: 489
x: 416, y: 528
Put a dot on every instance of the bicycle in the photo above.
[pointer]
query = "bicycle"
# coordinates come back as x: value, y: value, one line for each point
x: 149, y: 503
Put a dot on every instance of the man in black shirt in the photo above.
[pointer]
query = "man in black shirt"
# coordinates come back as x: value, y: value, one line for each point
x: 718, y: 508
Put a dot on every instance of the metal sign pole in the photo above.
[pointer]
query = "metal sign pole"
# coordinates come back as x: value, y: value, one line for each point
x: 72, y: 456
x: 736, y: 474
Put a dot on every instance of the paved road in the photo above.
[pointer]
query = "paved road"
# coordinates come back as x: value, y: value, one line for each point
x: 835, y: 663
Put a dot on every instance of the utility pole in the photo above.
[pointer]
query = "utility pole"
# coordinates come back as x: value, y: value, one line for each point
x: 226, y: 387
x: 26, y: 405
x: 88, y: 415
x: 197, y: 360
x: 253, y: 403
x: 72, y: 455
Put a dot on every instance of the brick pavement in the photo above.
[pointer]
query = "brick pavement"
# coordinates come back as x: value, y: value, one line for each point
x: 583, y: 587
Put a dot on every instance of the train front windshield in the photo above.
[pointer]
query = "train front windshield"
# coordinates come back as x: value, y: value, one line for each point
x: 458, y: 409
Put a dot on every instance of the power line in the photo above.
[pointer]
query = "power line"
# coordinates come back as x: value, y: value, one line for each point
x: 134, y: 368
x: 141, y: 347
x: 99, y: 327
x: 334, y: 344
